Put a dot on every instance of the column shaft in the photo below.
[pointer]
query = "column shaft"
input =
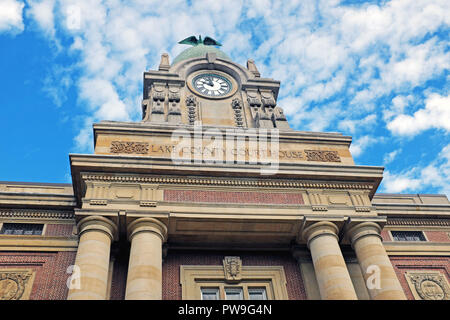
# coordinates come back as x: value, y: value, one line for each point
x: 92, y: 260
x: 331, y: 271
x: 144, y: 280
x: 375, y: 262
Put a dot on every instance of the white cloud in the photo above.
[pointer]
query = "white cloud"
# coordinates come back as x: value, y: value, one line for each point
x: 435, y: 175
x: 389, y: 157
x: 351, y: 125
x: 399, y: 183
x: 358, y: 147
x: 11, y: 16
x: 436, y: 114
x: 42, y: 12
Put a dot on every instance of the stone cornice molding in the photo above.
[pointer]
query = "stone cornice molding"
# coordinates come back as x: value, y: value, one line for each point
x: 146, y: 128
x: 36, y: 214
x: 224, y: 182
x: 418, y: 222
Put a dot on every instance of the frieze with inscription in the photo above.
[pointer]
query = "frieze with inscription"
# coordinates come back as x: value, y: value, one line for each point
x: 129, y: 147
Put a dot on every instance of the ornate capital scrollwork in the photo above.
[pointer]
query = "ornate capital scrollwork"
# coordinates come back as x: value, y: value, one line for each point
x: 325, y: 156
x: 129, y: 147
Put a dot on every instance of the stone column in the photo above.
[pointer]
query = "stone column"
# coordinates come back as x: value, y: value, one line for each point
x: 372, y: 257
x: 144, y: 281
x: 92, y: 260
x: 331, y: 271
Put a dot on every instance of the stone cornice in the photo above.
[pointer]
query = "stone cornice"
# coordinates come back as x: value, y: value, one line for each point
x: 411, y: 210
x: 272, y: 183
x: 145, y: 128
x: 36, y: 200
x: 36, y: 214
x: 319, y: 172
x: 418, y: 222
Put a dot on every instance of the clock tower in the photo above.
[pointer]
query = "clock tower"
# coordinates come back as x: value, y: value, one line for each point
x: 203, y: 84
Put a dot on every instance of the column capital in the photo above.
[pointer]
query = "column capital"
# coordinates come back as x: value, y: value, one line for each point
x: 364, y: 229
x: 147, y: 225
x: 318, y: 229
x: 98, y: 223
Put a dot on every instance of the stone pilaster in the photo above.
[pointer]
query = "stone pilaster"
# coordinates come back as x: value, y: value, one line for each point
x: 144, y: 281
x: 372, y: 257
x: 92, y: 260
x: 331, y: 271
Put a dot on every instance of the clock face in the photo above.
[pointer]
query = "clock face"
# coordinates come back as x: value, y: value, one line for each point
x: 212, y: 85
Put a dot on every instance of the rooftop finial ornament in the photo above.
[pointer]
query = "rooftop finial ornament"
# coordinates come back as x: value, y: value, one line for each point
x: 193, y: 41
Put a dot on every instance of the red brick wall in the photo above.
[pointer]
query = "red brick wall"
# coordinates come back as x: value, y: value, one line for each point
x: 232, y: 197
x: 61, y: 230
x: 119, y: 275
x: 385, y: 235
x: 437, y: 236
x: 174, y: 259
x: 50, y: 267
x: 404, y: 264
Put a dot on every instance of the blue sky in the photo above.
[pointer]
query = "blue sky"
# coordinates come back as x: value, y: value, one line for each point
x: 375, y: 70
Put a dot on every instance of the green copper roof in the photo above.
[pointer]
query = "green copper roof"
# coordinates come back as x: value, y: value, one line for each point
x: 199, y: 51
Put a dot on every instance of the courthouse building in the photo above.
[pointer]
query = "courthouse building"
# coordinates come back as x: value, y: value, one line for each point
x: 212, y: 195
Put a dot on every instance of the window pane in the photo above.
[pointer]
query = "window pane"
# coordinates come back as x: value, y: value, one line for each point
x: 234, y: 294
x: 22, y: 228
x: 257, y: 294
x: 408, y: 236
x: 210, y: 293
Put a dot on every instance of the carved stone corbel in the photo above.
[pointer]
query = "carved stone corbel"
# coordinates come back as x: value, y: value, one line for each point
x: 279, y: 119
x: 236, y: 104
x: 158, y: 97
x: 174, y: 114
x: 191, y: 104
x: 268, y: 105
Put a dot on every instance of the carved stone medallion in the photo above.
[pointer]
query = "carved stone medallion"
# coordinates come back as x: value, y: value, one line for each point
x: 233, y: 269
x: 13, y: 284
x: 428, y: 285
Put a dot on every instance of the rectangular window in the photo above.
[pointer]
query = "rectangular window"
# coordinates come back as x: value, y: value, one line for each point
x: 408, y: 236
x: 22, y: 228
x: 210, y: 293
x: 257, y: 294
x: 234, y: 294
